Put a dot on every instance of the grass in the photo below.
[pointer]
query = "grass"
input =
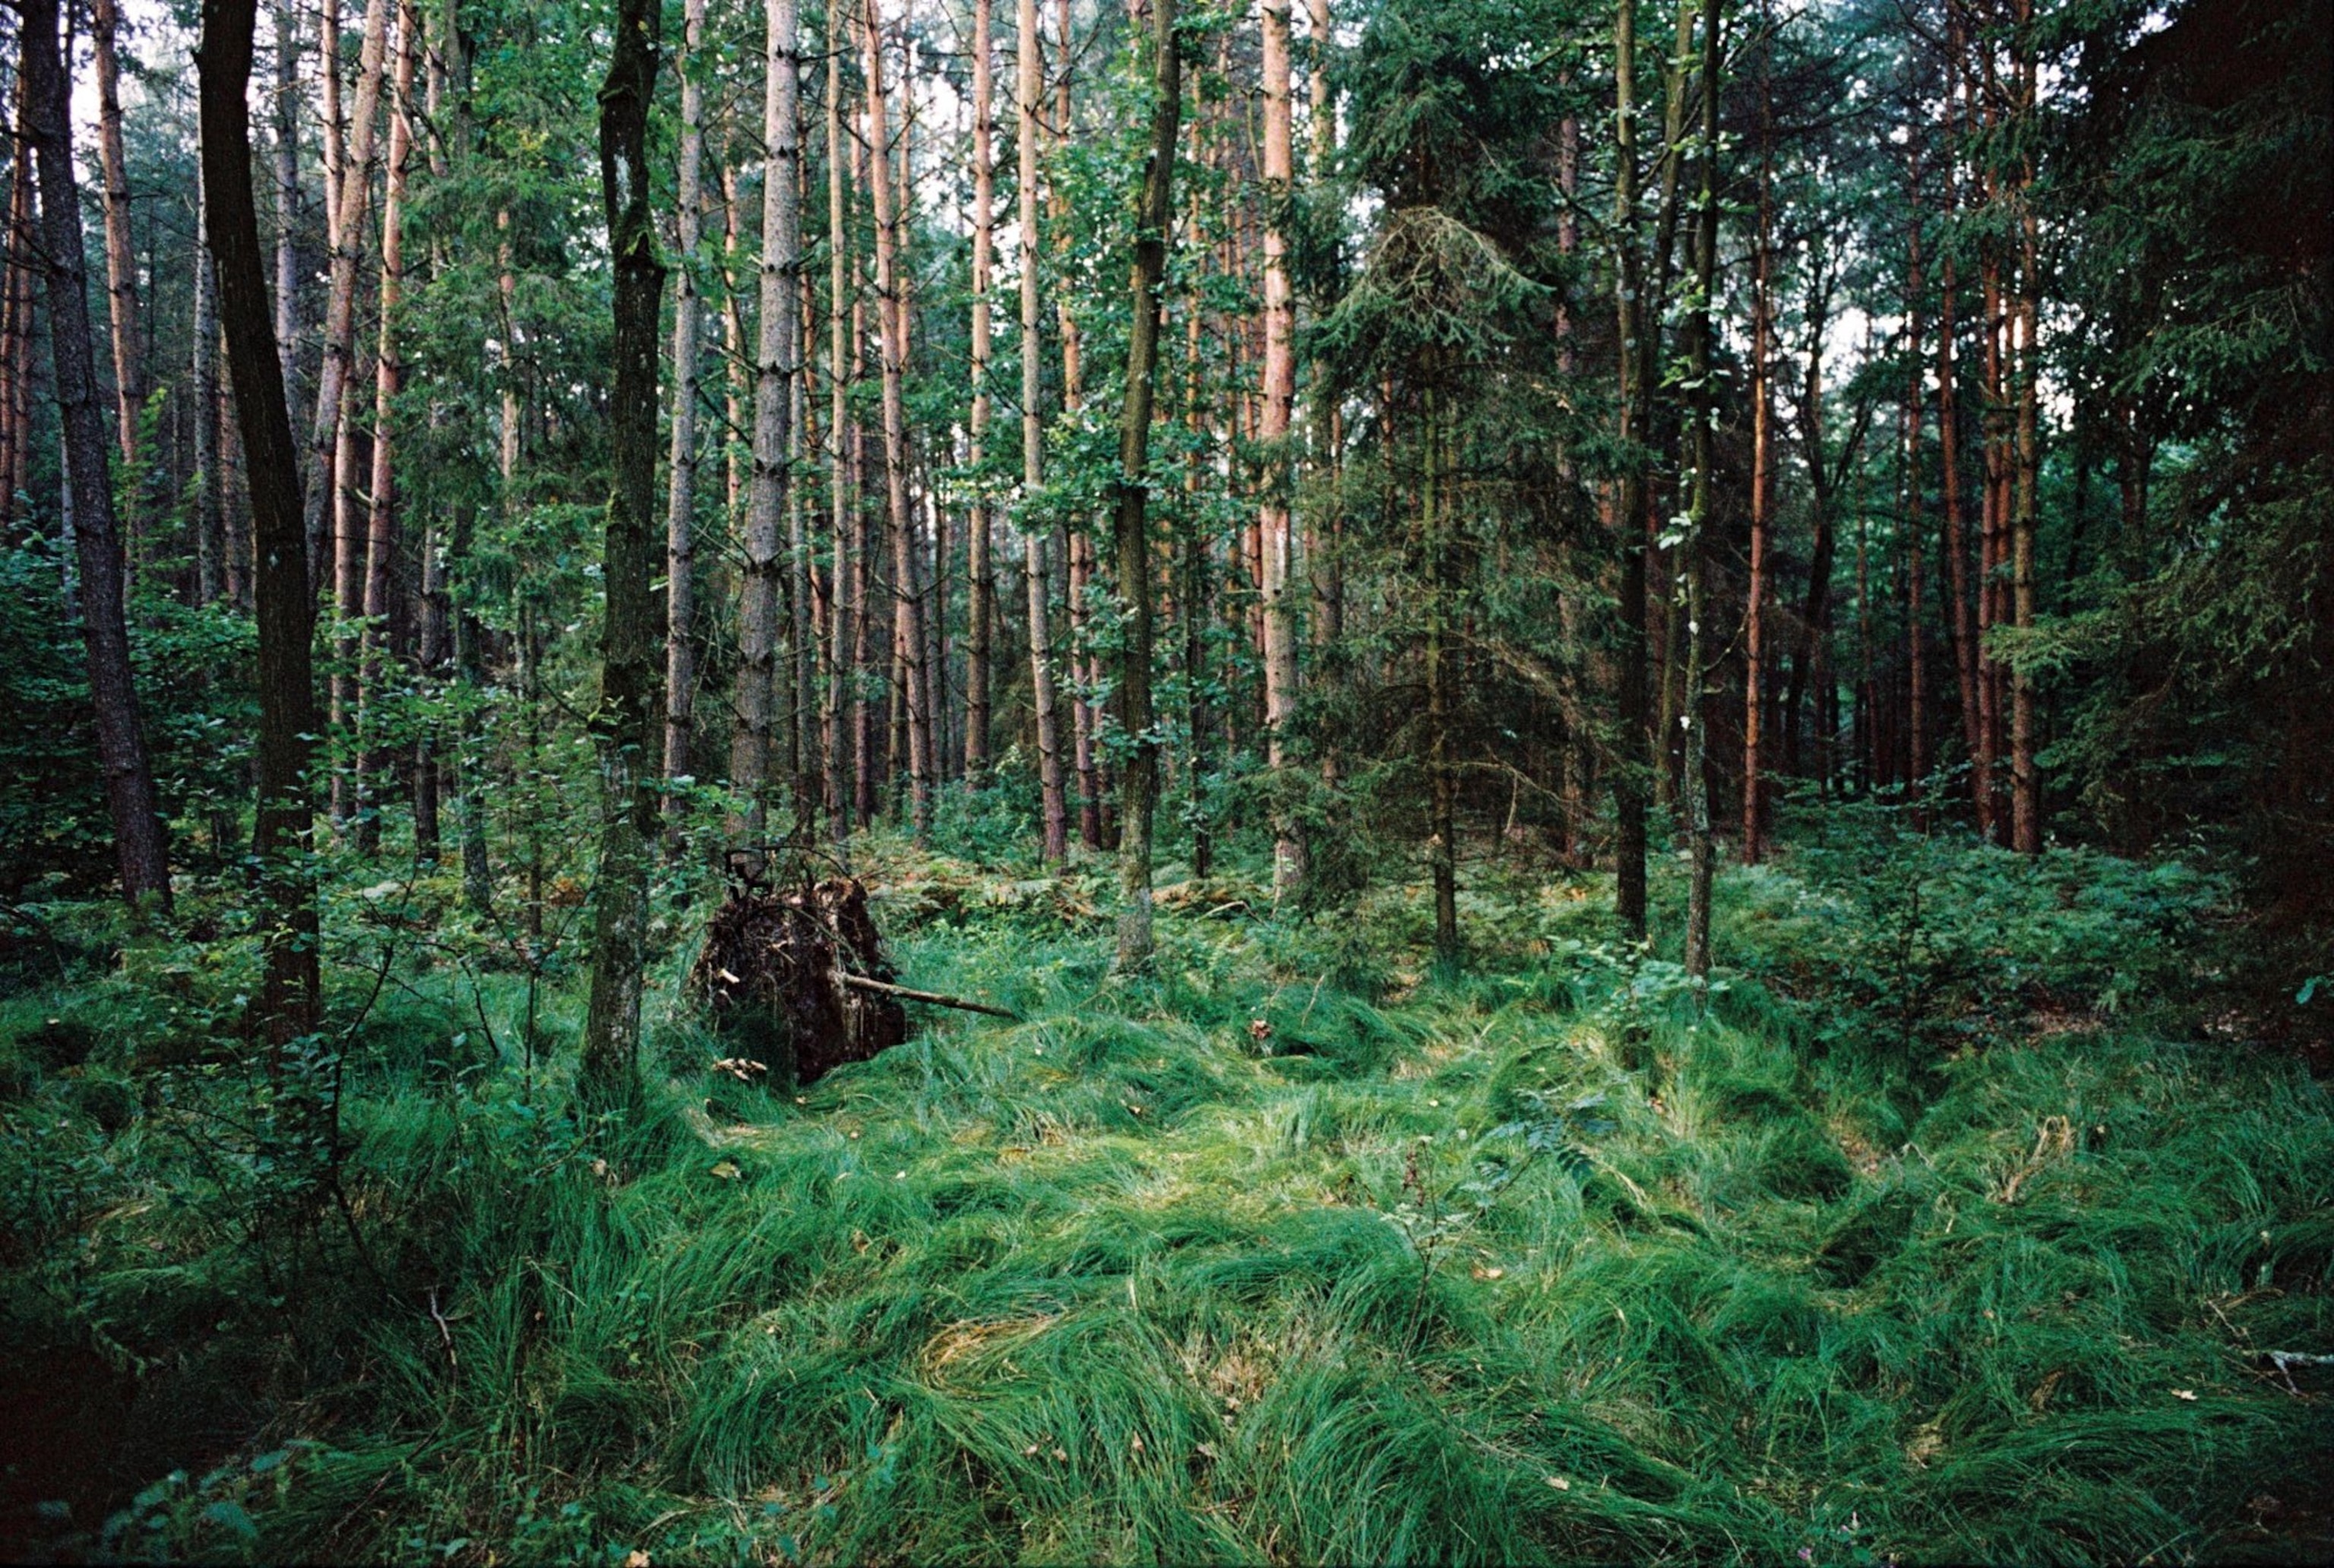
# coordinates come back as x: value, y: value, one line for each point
x: 1290, y: 1252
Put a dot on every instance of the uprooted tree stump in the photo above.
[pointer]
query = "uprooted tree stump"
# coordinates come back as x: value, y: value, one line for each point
x: 801, y: 976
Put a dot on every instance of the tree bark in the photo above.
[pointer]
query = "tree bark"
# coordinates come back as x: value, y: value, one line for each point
x: 1029, y: 80
x: 1139, y: 781
x: 1630, y: 762
x: 842, y: 367
x: 757, y: 620
x: 680, y: 501
x: 120, y: 269
x: 209, y: 532
x: 891, y: 321
x: 1762, y: 421
x: 387, y: 370
x: 1695, y: 781
x: 980, y: 605
x: 2025, y: 783
x: 283, y: 592
x: 348, y: 173
x: 287, y: 189
x: 626, y: 721
x: 1279, y: 398
x: 141, y: 847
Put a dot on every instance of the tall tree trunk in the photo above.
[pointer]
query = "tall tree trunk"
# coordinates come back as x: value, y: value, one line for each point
x: 120, y: 269
x: 680, y: 501
x: 1917, y: 724
x: 802, y: 716
x: 348, y: 176
x: 381, y: 538
x: 1030, y: 79
x: 1442, y: 818
x: 283, y: 594
x: 286, y: 148
x: 892, y: 320
x: 140, y: 845
x: 2025, y: 783
x: 626, y: 721
x: 210, y: 545
x: 980, y: 608
x: 849, y: 607
x: 1962, y: 617
x: 1762, y: 420
x: 1280, y: 669
x: 1139, y: 783
x: 1630, y: 764
x: 1696, y: 782
x: 750, y: 757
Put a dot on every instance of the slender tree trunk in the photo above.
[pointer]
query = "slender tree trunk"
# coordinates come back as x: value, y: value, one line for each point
x: 348, y: 176
x: 209, y: 532
x: 1139, y: 783
x: 850, y: 607
x: 1916, y: 748
x: 803, y: 639
x: 680, y: 501
x: 381, y: 519
x: 1693, y: 717
x: 284, y: 595
x: 980, y: 597
x: 287, y: 188
x: 120, y: 270
x: 1280, y: 668
x: 141, y: 847
x: 626, y: 718
x: 1029, y: 87
x: 2026, y: 794
x: 1442, y: 818
x: 1630, y: 764
x: 891, y: 321
x: 1762, y: 420
x: 1963, y: 616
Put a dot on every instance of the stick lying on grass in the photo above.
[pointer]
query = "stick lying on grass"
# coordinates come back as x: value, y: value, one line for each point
x: 885, y: 988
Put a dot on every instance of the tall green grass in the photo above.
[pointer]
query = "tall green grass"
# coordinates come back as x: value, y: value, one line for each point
x: 1289, y: 1252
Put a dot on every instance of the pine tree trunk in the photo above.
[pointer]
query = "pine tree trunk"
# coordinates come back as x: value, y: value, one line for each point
x: 1029, y: 78
x: 209, y: 532
x: 1696, y: 782
x: 849, y: 608
x: 1139, y: 783
x: 980, y: 607
x: 1763, y: 422
x: 892, y: 325
x: 287, y: 189
x: 283, y: 594
x: 1630, y: 762
x: 1279, y: 398
x: 381, y: 510
x: 680, y: 501
x: 1962, y: 618
x: 140, y: 848
x: 1916, y: 722
x: 2025, y: 783
x: 120, y: 269
x: 751, y: 751
x: 348, y: 177
x: 626, y: 721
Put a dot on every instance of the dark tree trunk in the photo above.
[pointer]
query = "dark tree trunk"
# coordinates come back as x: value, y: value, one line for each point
x: 137, y: 834
x: 632, y: 637
x: 286, y: 605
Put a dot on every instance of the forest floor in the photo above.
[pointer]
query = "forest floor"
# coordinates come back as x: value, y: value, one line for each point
x: 1945, y: 1229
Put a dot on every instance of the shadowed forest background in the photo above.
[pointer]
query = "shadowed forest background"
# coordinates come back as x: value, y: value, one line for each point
x: 1210, y: 780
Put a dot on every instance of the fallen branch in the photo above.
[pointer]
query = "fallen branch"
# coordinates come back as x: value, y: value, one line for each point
x: 885, y: 988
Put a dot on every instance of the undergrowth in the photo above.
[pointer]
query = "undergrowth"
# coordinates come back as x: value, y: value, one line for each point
x: 1933, y: 1235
